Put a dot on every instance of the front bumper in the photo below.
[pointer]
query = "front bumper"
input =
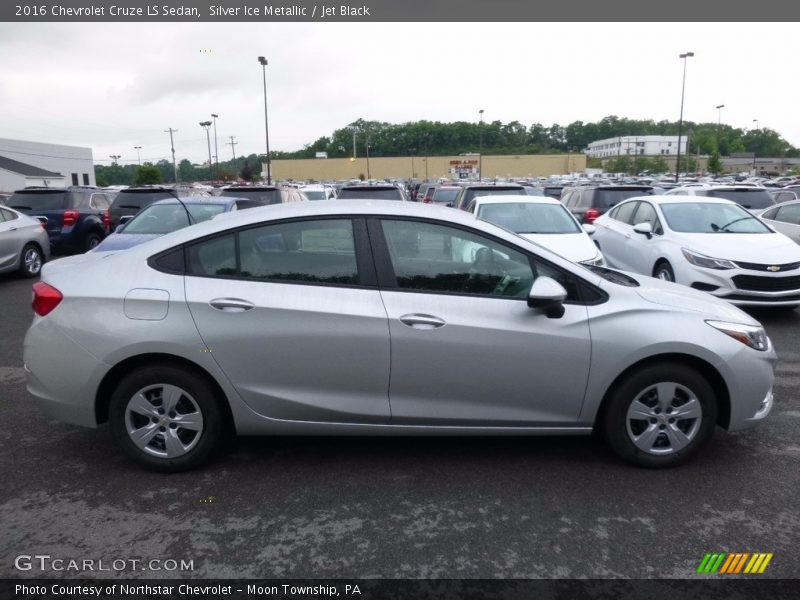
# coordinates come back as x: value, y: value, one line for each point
x: 744, y: 287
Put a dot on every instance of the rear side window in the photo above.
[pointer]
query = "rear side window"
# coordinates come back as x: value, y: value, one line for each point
x: 7, y: 215
x: 99, y: 202
x: 318, y: 251
x: 38, y: 200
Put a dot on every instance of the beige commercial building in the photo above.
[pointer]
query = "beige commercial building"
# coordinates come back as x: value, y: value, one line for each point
x: 428, y: 167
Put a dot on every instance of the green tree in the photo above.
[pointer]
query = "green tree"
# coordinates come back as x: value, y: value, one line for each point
x: 147, y: 174
x: 714, y: 163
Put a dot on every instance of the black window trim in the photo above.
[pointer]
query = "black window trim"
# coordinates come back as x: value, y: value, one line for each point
x: 387, y: 280
x: 367, y: 273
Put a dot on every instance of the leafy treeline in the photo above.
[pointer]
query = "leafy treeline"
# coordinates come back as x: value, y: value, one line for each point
x: 433, y: 138
x: 163, y: 172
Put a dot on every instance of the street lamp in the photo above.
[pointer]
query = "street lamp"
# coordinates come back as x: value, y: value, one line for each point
x: 680, y: 121
x: 368, y: 177
x: 263, y: 62
x: 756, y: 122
x: 114, y: 158
x: 138, y: 156
x: 355, y: 130
x: 719, y: 114
x: 207, y: 126
x: 216, y: 151
x: 480, y: 145
x: 411, y: 152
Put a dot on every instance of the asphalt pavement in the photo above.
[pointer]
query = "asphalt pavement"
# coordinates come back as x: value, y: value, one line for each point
x: 398, y: 507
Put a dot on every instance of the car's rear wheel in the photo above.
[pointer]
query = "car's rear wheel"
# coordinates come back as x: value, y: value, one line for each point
x: 663, y: 270
x: 660, y: 415
x: 31, y: 261
x: 92, y: 240
x: 166, y: 418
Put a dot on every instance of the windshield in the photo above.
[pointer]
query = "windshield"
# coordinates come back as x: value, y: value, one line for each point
x: 747, y: 198
x: 521, y: 217
x: 707, y: 217
x: 315, y: 194
x: 165, y: 218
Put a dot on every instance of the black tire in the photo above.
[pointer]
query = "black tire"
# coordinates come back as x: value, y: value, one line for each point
x: 663, y: 270
x: 31, y: 260
x: 91, y: 240
x: 194, y: 397
x: 666, y: 449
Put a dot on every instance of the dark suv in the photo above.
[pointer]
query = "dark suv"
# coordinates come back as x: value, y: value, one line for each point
x: 588, y: 203
x: 371, y: 192
x: 130, y: 201
x: 77, y: 217
x: 471, y: 191
x: 264, y: 194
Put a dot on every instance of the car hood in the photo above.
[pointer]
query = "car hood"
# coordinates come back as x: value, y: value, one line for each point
x: 576, y: 247
x: 682, y: 297
x: 123, y: 241
x: 762, y: 248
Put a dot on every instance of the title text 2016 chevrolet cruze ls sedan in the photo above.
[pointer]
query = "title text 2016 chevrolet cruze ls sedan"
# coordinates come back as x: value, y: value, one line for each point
x: 366, y: 318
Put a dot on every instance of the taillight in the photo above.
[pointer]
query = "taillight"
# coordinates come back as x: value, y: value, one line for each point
x: 45, y: 298
x: 107, y: 221
x: 591, y: 215
x: 70, y: 218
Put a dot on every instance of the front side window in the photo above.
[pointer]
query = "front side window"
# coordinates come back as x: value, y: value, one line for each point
x: 789, y: 214
x: 624, y: 213
x: 647, y: 214
x: 437, y: 258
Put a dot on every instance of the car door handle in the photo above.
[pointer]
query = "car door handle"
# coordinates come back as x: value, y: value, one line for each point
x: 231, y: 304
x: 418, y: 321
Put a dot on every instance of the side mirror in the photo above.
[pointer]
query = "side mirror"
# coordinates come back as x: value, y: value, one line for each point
x: 548, y: 295
x: 644, y: 229
x: 590, y: 229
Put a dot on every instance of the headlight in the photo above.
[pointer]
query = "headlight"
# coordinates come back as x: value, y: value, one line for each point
x: 706, y: 261
x: 753, y: 336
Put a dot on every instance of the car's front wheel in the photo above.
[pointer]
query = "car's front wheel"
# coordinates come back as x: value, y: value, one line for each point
x: 166, y: 418
x: 660, y: 415
x: 663, y: 270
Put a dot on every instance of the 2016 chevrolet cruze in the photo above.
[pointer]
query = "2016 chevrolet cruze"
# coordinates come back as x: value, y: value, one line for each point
x: 383, y: 318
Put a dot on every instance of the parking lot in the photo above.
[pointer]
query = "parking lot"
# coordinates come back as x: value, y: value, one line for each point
x: 393, y: 508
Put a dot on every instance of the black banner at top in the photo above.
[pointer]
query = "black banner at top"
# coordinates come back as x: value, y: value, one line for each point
x: 322, y: 11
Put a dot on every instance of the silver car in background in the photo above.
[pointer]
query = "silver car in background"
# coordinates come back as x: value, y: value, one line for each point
x: 362, y: 318
x: 24, y: 244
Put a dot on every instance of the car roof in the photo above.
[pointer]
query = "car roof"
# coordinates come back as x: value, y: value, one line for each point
x: 226, y: 200
x: 679, y: 199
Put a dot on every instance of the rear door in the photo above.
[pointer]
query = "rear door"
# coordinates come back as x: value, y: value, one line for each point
x: 291, y: 313
x: 9, y: 240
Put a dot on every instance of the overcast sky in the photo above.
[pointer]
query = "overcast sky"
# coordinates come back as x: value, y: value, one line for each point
x: 115, y: 86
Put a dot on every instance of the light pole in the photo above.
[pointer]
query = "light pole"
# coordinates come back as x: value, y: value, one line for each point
x: 216, y: 151
x: 355, y: 130
x: 138, y: 156
x: 114, y: 158
x: 680, y: 121
x: 263, y: 62
x: 368, y: 176
x: 207, y: 126
x: 756, y: 122
x: 172, y: 131
x: 719, y: 115
x: 411, y: 152
x: 754, y: 150
x: 480, y: 145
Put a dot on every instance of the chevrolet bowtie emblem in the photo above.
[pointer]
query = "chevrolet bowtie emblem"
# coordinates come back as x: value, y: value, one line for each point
x: 773, y: 268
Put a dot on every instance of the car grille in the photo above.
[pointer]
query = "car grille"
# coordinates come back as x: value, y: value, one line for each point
x: 755, y: 283
x: 760, y: 267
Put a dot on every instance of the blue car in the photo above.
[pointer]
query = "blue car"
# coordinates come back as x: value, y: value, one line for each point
x: 166, y: 216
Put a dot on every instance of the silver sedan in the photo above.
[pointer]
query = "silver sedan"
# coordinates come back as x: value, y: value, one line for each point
x: 362, y: 318
x: 24, y: 244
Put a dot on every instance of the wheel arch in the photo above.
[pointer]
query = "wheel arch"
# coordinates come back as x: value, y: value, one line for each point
x: 659, y: 260
x: 121, y: 369
x: 706, y: 369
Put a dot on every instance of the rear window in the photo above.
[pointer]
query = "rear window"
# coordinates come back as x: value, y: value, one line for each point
x: 264, y: 196
x: 612, y: 197
x: 38, y: 200
x: 445, y: 194
x: 747, y: 198
x: 495, y: 191
x: 137, y: 199
x: 370, y: 193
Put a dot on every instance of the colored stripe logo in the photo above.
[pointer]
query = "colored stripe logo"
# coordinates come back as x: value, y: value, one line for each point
x: 734, y: 563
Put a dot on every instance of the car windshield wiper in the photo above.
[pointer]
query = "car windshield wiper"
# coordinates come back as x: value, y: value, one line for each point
x: 725, y: 227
